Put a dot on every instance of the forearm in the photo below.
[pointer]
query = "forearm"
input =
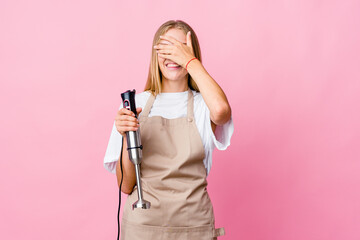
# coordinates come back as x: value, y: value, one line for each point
x: 129, y: 179
x: 214, y: 96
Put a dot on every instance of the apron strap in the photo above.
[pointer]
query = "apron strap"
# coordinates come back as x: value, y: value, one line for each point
x: 148, y: 105
x: 190, y: 106
x: 218, y: 232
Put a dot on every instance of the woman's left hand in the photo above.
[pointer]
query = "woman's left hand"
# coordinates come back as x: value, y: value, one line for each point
x: 177, y: 52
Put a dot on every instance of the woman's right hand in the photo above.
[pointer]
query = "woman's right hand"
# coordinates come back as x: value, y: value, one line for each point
x: 125, y: 121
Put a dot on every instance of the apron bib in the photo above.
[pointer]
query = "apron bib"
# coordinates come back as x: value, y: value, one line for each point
x: 174, y: 181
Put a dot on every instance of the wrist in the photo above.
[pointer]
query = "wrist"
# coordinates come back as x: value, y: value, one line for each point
x: 193, y: 64
x: 189, y: 62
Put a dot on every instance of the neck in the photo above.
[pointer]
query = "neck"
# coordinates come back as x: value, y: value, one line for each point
x: 174, y: 86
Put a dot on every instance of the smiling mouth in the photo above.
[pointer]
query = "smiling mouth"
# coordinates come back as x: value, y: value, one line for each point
x: 172, y: 66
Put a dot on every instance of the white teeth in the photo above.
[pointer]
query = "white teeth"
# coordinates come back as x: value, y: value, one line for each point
x: 172, y: 65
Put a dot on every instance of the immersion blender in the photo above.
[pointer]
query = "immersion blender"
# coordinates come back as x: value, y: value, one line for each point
x: 134, y: 148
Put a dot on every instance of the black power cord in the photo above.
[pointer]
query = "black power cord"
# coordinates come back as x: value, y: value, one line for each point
x: 121, y: 169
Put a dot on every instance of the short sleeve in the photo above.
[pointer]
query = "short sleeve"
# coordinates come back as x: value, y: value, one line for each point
x: 221, y: 138
x: 112, y: 153
x: 114, y: 147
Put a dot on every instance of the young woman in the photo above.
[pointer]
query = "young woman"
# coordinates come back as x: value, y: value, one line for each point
x: 183, y: 115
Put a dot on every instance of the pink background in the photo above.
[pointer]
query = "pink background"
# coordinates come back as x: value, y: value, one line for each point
x: 289, y: 68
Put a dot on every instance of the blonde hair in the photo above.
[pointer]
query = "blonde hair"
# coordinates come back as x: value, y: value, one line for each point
x: 153, y: 83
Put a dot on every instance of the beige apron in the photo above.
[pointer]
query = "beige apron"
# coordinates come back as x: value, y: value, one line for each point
x: 174, y: 181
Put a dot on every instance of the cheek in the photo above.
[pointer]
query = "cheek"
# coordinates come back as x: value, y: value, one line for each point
x: 161, y: 63
x: 160, y: 60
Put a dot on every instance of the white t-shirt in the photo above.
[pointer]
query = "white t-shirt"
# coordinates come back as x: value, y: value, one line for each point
x: 170, y: 106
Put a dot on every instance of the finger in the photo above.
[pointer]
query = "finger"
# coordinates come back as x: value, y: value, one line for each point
x: 164, y: 56
x: 125, y: 111
x: 170, y: 39
x: 161, y: 56
x: 125, y: 123
x: 164, y: 42
x: 126, y: 118
x: 163, y: 52
x: 188, y: 39
x: 166, y: 50
x: 120, y: 118
x: 163, y: 46
x: 138, y: 110
x: 123, y: 130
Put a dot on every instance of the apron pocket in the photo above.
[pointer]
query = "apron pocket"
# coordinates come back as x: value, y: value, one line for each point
x: 133, y: 231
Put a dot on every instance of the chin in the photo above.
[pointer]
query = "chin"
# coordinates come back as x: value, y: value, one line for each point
x: 175, y: 77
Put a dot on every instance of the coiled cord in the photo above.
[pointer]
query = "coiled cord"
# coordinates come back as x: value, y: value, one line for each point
x: 121, y: 169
